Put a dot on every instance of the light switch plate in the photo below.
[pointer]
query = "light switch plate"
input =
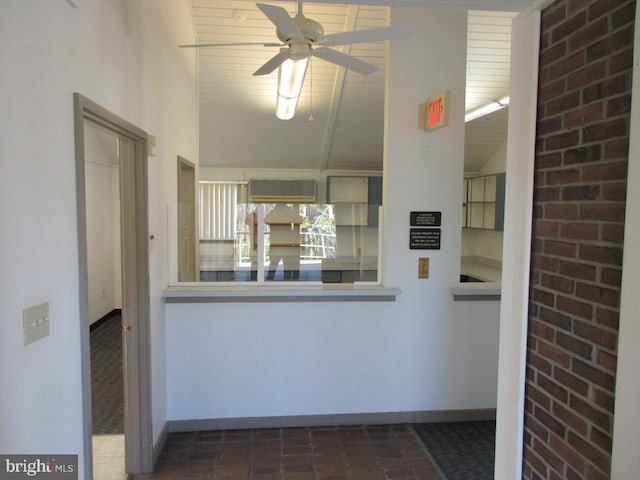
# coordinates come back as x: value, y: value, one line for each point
x: 35, y: 322
x: 423, y: 267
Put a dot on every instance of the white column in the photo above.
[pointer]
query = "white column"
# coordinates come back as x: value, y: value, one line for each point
x: 626, y: 424
x: 517, y: 245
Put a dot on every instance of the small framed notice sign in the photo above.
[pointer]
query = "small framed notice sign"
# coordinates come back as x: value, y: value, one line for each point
x: 426, y: 219
x: 424, y: 238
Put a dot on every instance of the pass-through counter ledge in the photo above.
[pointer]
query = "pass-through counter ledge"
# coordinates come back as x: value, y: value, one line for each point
x: 321, y: 293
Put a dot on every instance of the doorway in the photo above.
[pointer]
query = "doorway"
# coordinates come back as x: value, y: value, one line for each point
x: 103, y: 151
x: 187, y: 248
x: 131, y: 184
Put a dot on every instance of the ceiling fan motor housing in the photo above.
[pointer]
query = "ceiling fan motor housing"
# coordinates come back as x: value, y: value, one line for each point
x: 299, y: 50
x: 311, y: 30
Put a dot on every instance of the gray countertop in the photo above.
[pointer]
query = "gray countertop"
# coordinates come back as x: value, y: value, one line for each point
x: 490, y: 272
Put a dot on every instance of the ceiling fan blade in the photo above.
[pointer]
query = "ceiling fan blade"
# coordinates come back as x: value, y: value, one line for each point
x: 237, y: 44
x: 366, y: 35
x: 344, y: 60
x: 273, y: 63
x: 281, y: 19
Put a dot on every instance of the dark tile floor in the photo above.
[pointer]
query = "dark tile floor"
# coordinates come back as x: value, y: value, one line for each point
x: 378, y: 452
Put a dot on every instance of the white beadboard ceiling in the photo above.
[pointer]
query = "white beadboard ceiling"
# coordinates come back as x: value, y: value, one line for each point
x: 238, y: 127
x: 488, y: 62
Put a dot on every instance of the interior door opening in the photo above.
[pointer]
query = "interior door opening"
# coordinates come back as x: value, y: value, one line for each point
x: 103, y: 150
x: 187, y: 232
x: 130, y: 217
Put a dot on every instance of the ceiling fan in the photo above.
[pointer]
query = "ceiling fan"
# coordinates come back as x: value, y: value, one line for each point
x: 302, y: 37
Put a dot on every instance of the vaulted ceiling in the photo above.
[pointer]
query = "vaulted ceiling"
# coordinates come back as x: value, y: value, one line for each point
x: 340, y: 116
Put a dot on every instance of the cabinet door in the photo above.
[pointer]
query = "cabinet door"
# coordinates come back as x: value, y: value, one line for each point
x: 476, y: 214
x: 465, y: 197
x: 375, y: 200
x: 351, y: 214
x: 490, y: 188
x: 489, y: 216
x: 477, y: 191
x: 485, y: 202
x: 500, y: 195
x: 347, y: 189
x: 363, y: 196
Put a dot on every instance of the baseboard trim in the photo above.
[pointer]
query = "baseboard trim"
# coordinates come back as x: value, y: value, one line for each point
x: 159, y: 445
x: 104, y: 318
x: 374, y: 418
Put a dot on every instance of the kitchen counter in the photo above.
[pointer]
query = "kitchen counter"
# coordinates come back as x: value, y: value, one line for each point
x: 489, y: 272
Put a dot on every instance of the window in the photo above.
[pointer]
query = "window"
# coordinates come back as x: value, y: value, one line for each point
x: 292, y: 242
x: 221, y: 236
x: 218, y: 203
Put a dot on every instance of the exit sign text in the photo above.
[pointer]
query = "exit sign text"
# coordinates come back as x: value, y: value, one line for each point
x: 435, y: 113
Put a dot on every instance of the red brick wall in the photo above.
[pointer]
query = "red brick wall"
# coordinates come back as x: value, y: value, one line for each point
x: 584, y: 100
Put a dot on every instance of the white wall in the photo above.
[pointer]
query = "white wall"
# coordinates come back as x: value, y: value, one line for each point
x: 418, y: 353
x: 121, y: 55
x: 423, y: 171
x: 485, y: 244
x: 497, y: 163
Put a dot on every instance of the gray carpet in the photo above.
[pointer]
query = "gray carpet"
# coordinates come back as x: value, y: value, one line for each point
x: 462, y: 450
x: 107, y: 392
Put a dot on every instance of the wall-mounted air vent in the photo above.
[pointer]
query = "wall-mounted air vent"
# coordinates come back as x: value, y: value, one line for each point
x: 282, y: 191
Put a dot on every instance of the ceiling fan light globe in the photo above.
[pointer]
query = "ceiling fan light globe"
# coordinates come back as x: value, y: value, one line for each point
x: 291, y: 76
x: 286, y: 108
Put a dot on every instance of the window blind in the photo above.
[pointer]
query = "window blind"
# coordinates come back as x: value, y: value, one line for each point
x: 218, y: 203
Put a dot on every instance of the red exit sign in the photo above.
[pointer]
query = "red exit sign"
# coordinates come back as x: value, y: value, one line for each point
x: 435, y: 113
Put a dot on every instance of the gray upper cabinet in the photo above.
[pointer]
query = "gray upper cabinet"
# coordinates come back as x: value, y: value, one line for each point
x: 356, y: 199
x: 483, y: 202
x: 375, y: 200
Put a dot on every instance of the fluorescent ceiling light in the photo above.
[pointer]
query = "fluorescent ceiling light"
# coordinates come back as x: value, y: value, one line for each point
x: 486, y: 108
x: 290, y: 77
x: 286, y: 107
